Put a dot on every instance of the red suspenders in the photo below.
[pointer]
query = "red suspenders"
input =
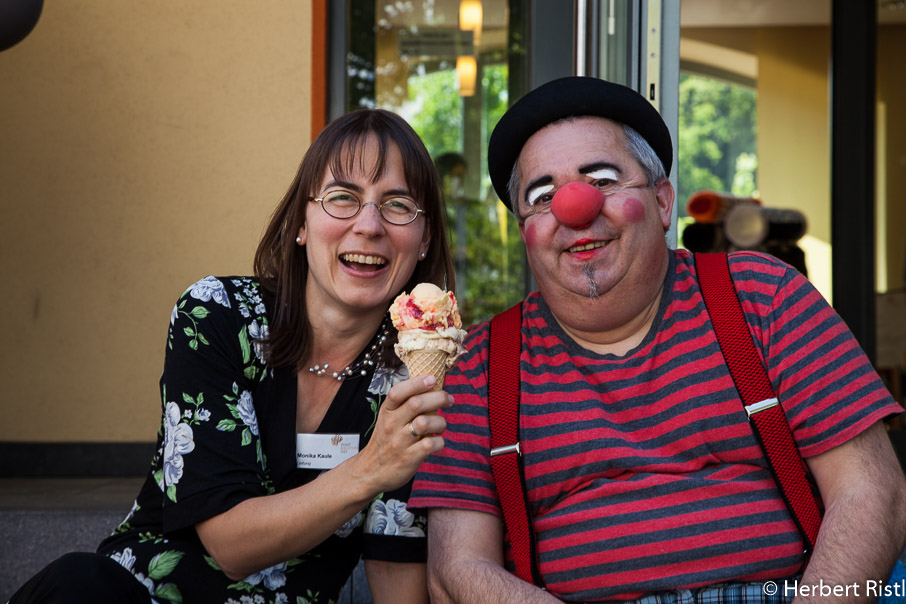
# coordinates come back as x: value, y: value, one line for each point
x: 765, y: 414
x: 506, y: 458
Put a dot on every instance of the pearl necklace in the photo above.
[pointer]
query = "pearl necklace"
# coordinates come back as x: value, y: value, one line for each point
x: 360, y: 368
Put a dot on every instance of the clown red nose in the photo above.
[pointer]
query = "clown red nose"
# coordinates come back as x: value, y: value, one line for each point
x: 576, y: 204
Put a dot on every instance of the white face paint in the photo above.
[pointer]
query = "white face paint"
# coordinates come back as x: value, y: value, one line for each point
x: 533, y: 195
x: 606, y: 174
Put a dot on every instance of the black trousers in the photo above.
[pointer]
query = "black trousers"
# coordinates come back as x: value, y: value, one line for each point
x: 82, y: 577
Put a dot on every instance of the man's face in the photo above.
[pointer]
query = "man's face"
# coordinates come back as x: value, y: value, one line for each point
x: 623, y: 246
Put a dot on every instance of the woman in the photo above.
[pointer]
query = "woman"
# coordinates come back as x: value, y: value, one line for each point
x: 290, y: 434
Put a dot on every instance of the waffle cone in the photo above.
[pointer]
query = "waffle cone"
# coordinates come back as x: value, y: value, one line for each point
x: 427, y: 362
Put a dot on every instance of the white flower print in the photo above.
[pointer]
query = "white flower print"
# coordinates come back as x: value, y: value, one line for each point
x: 125, y: 558
x: 174, y: 314
x: 385, y: 378
x: 247, y: 411
x: 258, y: 333
x: 391, y: 518
x: 273, y: 577
x: 178, y: 441
x: 346, y: 530
x: 210, y: 288
x: 146, y: 581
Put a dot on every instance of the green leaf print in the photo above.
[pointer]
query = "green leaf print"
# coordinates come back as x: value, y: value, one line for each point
x: 226, y: 425
x: 246, y: 437
x: 212, y: 563
x: 171, y: 493
x: 242, y: 586
x: 250, y: 371
x: 245, y: 344
x: 163, y: 564
x: 168, y: 592
x: 199, y: 312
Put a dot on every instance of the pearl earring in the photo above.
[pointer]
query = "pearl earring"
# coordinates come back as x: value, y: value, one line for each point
x: 298, y: 240
x: 423, y: 256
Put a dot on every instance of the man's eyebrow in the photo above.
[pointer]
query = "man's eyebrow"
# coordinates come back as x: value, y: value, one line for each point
x: 599, y: 166
x: 543, y: 180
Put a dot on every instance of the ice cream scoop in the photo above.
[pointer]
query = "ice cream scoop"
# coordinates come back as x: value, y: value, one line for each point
x: 430, y: 331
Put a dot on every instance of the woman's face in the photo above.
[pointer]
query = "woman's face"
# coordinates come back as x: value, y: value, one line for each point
x: 360, y: 264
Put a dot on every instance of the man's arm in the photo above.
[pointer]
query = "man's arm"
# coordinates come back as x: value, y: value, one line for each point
x: 864, y: 526
x: 465, y: 561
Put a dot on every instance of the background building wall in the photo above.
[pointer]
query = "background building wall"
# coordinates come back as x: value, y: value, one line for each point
x: 143, y: 146
x: 892, y: 157
x: 794, y: 134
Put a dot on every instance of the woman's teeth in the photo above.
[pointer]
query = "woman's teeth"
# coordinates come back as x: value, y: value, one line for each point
x: 587, y: 246
x: 362, y: 259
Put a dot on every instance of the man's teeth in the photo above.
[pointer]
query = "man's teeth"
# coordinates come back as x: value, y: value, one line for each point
x: 587, y: 246
x: 362, y: 259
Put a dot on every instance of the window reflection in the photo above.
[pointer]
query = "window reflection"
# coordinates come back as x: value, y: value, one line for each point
x: 444, y: 65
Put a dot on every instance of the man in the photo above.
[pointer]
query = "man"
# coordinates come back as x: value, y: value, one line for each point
x: 642, y: 473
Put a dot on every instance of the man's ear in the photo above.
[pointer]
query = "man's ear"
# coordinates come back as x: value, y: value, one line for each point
x: 664, y: 196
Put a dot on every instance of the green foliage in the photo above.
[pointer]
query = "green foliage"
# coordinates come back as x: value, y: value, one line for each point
x: 717, y: 136
x: 439, y: 121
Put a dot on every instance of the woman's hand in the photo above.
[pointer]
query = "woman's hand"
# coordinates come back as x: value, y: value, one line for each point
x: 262, y: 531
x: 407, y: 431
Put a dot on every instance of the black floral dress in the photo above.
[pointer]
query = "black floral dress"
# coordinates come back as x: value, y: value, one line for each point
x: 228, y: 434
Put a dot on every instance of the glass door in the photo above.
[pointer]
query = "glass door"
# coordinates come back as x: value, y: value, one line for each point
x: 450, y: 68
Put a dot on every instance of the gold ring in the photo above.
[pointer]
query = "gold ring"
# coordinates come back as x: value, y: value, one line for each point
x: 412, y: 431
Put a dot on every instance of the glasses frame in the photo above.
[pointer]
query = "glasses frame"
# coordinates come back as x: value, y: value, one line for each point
x: 362, y: 204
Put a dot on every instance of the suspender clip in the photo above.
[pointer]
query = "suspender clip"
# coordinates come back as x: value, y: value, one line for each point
x: 761, y: 406
x: 505, y: 450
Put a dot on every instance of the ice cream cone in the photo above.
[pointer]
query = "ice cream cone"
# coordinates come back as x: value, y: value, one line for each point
x: 427, y: 362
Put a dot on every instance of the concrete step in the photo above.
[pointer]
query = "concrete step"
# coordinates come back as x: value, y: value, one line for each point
x: 43, y: 518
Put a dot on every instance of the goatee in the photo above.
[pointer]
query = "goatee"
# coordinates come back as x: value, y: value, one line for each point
x: 592, y: 286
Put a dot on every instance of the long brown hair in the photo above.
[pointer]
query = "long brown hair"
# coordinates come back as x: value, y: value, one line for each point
x: 281, y: 266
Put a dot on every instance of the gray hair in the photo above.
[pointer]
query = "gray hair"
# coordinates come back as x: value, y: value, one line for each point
x: 637, y: 147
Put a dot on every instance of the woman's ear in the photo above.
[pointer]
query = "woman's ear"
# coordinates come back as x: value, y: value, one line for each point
x: 426, y: 243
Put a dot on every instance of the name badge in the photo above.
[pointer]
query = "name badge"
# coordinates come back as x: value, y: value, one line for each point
x: 324, y: 451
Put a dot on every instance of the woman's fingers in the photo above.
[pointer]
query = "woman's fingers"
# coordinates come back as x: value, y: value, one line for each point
x: 425, y: 425
x: 417, y: 395
x: 403, y: 391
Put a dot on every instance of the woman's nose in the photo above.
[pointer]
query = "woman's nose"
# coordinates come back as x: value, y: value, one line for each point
x: 576, y: 204
x: 369, y: 218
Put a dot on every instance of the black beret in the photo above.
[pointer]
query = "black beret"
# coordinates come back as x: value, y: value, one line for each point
x: 568, y: 97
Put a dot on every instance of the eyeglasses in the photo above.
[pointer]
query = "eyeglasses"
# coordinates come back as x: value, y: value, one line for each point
x: 397, y: 210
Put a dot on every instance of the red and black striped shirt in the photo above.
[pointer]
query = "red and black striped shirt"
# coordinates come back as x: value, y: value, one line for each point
x: 642, y: 471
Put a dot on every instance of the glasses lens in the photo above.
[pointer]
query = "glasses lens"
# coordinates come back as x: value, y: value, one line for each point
x: 341, y: 204
x: 399, y: 210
